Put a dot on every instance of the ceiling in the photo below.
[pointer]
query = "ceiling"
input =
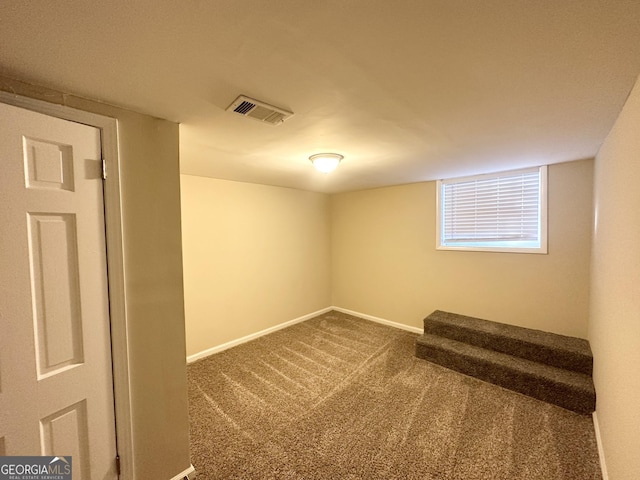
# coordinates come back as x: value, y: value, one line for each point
x: 406, y: 90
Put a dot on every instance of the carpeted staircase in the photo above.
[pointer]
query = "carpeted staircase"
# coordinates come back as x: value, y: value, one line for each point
x: 546, y: 366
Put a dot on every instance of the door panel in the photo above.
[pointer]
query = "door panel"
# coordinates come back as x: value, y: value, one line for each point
x: 67, y: 430
x: 55, y: 291
x: 56, y: 393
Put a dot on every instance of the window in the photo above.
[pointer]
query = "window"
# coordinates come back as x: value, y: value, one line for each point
x: 505, y: 212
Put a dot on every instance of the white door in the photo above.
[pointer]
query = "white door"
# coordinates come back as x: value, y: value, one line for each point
x: 56, y: 390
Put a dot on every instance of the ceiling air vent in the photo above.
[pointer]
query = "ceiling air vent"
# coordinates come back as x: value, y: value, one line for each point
x: 258, y: 110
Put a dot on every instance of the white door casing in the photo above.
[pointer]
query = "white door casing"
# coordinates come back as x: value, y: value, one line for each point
x: 56, y: 390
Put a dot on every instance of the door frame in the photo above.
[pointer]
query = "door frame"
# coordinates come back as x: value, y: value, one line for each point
x: 115, y: 262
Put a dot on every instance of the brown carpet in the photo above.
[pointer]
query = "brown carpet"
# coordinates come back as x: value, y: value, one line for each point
x: 338, y: 397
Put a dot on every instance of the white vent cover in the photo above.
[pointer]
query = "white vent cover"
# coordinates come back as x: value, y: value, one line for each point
x: 258, y: 110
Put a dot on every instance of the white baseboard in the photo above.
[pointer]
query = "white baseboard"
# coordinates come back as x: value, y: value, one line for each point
x: 188, y: 473
x: 603, y: 464
x: 379, y: 320
x: 253, y: 336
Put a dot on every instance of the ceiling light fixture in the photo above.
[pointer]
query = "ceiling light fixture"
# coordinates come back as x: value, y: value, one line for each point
x: 325, y: 162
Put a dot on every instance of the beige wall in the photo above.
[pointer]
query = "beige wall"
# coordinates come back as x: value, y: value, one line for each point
x: 255, y: 256
x: 150, y: 201
x: 614, y: 329
x: 385, y: 264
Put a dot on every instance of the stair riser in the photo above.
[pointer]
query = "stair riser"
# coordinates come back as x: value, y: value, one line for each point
x: 514, y: 347
x: 561, y: 395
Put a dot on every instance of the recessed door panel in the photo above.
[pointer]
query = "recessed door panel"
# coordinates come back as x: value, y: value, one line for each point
x: 67, y: 431
x: 55, y: 291
x: 48, y: 164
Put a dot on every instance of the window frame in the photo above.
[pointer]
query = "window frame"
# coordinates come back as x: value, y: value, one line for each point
x: 505, y: 248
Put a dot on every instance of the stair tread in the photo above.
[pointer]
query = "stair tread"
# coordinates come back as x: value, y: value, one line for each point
x: 526, y: 335
x: 572, y: 379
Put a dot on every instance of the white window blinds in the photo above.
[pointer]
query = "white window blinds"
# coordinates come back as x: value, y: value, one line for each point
x: 501, y: 211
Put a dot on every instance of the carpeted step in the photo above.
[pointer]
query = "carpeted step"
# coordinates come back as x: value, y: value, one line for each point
x: 568, y: 389
x: 551, y: 349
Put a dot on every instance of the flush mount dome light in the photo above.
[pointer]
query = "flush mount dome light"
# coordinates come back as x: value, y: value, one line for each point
x: 325, y: 162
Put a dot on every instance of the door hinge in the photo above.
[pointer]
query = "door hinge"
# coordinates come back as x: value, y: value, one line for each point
x: 104, y: 169
x: 118, y: 465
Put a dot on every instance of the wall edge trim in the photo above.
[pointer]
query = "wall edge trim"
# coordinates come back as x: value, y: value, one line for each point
x: 603, y: 464
x: 186, y: 474
x: 280, y: 326
x: 253, y: 336
x: 383, y: 321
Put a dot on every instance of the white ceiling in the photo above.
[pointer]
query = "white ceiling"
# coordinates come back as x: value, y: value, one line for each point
x: 406, y: 90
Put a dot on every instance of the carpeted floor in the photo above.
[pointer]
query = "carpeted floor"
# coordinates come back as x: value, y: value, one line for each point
x: 338, y: 397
